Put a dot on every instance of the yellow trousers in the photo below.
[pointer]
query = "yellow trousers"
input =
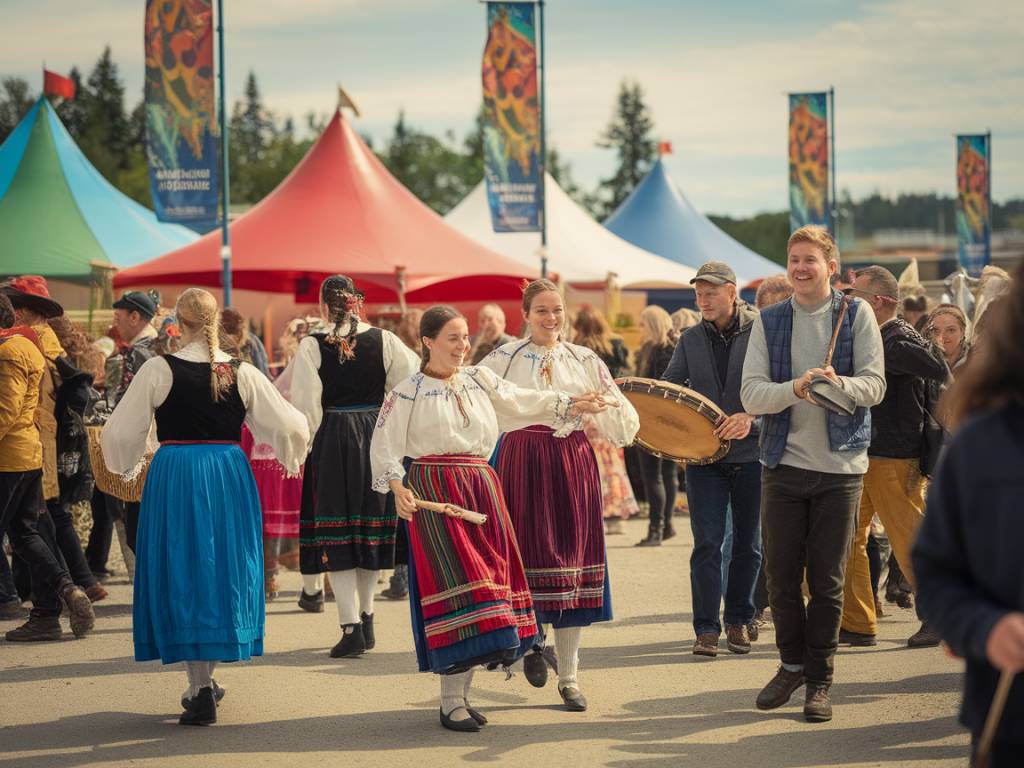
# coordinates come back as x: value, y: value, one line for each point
x: 893, y: 490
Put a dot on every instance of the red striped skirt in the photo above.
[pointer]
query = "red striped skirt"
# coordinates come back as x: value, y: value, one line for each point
x: 470, y: 577
x: 553, y: 492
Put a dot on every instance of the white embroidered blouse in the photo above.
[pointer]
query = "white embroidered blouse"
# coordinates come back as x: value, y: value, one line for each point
x: 465, y: 414
x: 572, y: 369
x: 270, y: 417
x: 400, y: 362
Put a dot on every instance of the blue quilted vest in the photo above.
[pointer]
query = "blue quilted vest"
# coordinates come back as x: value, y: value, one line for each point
x: 845, y: 433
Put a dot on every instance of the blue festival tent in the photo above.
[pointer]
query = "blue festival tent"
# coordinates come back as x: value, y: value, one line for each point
x: 658, y: 218
x: 59, y: 217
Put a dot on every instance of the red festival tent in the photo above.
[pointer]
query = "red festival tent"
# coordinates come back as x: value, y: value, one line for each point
x: 340, y: 211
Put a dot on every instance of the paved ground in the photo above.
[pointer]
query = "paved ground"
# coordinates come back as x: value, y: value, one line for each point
x: 86, y: 703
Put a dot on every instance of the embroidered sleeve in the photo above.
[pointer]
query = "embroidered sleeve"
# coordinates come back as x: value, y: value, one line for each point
x: 516, y: 407
x: 389, y: 445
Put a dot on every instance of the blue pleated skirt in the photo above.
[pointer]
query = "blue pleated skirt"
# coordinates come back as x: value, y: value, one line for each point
x: 199, y: 557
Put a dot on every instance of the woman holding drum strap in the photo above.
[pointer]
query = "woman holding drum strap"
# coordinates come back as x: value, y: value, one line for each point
x: 468, y: 595
x: 553, y: 488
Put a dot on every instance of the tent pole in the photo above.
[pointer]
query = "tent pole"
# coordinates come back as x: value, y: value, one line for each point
x: 543, y: 156
x: 833, y: 208
x: 225, y: 250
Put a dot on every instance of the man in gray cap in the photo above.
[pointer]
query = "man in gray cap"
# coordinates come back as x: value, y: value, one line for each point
x: 709, y: 359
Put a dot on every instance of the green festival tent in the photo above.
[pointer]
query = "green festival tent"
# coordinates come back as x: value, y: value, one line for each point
x: 59, y: 217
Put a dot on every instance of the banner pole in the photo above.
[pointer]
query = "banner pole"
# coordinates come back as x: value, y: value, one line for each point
x: 988, y: 177
x: 225, y: 250
x: 543, y: 155
x: 832, y: 160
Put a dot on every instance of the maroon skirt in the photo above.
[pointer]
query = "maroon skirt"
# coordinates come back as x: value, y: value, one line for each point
x: 553, y: 492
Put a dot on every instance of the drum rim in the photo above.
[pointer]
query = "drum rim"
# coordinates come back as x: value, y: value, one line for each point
x: 686, y: 396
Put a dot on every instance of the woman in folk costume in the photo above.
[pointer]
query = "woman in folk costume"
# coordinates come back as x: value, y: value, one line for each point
x: 198, y: 572
x: 468, y: 596
x: 553, y: 487
x: 341, y: 374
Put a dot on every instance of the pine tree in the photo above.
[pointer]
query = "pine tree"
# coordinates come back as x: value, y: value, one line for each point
x: 252, y: 131
x: 630, y: 135
x: 15, y: 103
x: 73, y: 112
x: 108, y: 121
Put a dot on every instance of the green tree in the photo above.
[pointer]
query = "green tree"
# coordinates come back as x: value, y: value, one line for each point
x: 73, y: 112
x: 252, y: 133
x: 104, y: 102
x: 765, y: 233
x: 15, y: 102
x: 630, y: 135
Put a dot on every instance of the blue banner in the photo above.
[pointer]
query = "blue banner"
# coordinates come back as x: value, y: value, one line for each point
x: 512, y: 155
x: 181, y: 121
x: 973, y: 202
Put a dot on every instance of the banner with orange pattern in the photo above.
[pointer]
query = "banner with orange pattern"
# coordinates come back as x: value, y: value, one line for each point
x: 808, y: 161
x: 512, y: 155
x: 973, y: 223
x: 181, y: 121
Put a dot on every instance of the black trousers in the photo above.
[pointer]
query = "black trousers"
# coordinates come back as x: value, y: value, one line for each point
x: 659, y: 481
x: 21, y: 503
x: 97, y: 550
x: 809, y: 519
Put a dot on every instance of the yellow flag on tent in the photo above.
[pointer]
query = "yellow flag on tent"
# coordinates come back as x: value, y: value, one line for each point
x: 910, y: 276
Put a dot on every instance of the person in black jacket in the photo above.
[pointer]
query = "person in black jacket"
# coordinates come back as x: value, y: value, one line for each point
x: 709, y: 359
x: 893, y: 485
x: 970, y: 574
x: 659, y: 475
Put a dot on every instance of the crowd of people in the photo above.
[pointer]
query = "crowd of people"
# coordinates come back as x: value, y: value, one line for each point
x: 364, y: 455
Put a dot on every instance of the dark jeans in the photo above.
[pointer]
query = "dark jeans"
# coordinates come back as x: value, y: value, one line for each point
x: 8, y: 594
x: 809, y: 518
x: 69, y: 545
x: 874, y: 562
x: 711, y: 490
x: 21, y: 502
x: 659, y: 477
x: 761, y: 588
x: 97, y: 550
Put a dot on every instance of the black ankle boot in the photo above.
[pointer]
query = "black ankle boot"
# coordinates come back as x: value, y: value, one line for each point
x: 369, y: 638
x: 351, y: 644
x: 202, y: 709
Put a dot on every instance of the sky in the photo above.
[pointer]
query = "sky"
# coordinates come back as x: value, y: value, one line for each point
x: 908, y: 75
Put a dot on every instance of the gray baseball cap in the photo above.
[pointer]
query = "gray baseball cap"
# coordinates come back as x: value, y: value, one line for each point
x: 717, y: 272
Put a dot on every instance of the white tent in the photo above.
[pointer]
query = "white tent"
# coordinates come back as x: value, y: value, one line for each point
x: 580, y: 250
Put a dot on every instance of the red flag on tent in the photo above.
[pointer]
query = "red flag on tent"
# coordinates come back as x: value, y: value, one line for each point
x: 665, y: 148
x: 58, y: 85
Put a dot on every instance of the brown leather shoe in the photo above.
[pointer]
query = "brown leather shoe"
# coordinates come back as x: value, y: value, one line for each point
x: 96, y: 593
x: 817, y: 704
x: 780, y: 689
x: 737, y: 638
x: 706, y: 645
x: 79, y: 610
x: 925, y: 637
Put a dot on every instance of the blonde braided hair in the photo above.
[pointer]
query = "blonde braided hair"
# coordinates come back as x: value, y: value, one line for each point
x: 197, y: 309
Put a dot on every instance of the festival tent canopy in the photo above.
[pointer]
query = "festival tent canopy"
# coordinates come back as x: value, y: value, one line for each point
x: 340, y: 211
x: 58, y: 215
x: 658, y: 217
x: 580, y: 251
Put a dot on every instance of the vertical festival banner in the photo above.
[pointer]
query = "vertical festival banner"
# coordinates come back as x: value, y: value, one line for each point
x: 973, y: 201
x: 512, y: 145
x: 181, y: 121
x: 808, y: 161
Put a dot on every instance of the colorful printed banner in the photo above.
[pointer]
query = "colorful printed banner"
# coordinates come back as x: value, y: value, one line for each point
x: 808, y: 160
x: 181, y: 120
x: 512, y: 156
x: 973, y: 222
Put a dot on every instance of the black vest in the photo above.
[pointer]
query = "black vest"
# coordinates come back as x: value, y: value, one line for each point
x: 359, y: 381
x: 189, y: 412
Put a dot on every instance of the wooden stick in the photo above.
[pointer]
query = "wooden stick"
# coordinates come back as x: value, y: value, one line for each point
x: 844, y: 303
x: 452, y: 510
x: 995, y: 714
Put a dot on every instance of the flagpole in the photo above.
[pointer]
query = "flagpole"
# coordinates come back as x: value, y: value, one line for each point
x: 543, y: 156
x: 988, y: 204
x: 832, y: 161
x: 225, y: 250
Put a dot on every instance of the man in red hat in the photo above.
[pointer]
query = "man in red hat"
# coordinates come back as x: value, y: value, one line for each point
x: 22, y: 368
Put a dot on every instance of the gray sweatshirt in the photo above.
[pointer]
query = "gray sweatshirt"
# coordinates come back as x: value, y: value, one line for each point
x: 807, y: 446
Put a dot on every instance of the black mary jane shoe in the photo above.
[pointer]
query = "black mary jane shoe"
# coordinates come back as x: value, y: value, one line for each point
x: 469, y: 725
x: 202, y: 709
x: 476, y: 714
x: 313, y: 603
x: 573, y: 699
x: 351, y: 644
x: 369, y: 638
x: 535, y: 669
x: 218, y: 694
